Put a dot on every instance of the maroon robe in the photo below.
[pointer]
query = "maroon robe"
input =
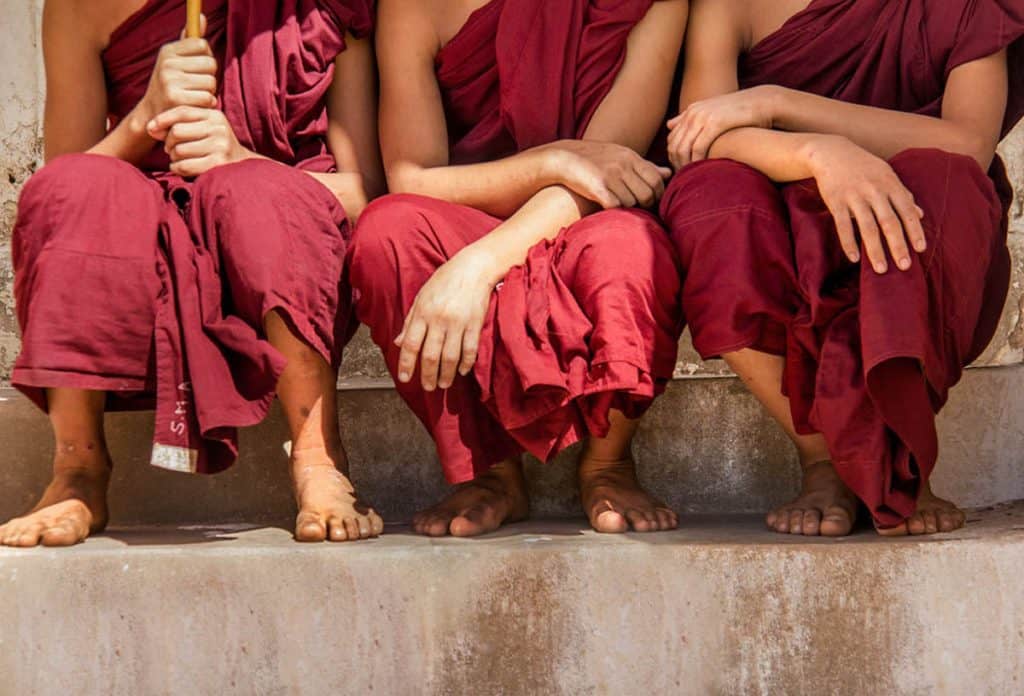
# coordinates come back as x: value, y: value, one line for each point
x: 870, y: 358
x: 134, y: 281
x: 583, y: 326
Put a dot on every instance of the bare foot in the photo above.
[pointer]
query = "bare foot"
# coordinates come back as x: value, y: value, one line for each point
x: 825, y: 506
x: 73, y: 506
x: 328, y: 507
x: 614, y: 501
x: 933, y: 515
x: 482, y: 505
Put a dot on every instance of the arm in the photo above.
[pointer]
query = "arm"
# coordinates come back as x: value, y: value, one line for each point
x: 445, y: 320
x: 75, y: 117
x: 352, y: 129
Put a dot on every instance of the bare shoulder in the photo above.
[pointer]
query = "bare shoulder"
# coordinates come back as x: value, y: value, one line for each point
x: 401, y: 22
x: 92, y: 21
x: 725, y: 18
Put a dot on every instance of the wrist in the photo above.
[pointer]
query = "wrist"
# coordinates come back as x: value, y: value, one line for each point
x: 773, y: 101
x: 551, y: 166
x: 813, y: 150
x: 138, y: 119
x: 485, y: 261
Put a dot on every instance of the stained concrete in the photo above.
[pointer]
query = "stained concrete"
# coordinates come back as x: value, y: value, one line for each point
x: 705, y: 447
x: 719, y: 607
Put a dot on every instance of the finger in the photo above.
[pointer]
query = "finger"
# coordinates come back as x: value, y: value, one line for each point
x: 412, y: 341
x: 192, y: 65
x: 653, y: 176
x: 689, y: 138
x: 641, y: 190
x: 870, y: 235
x: 470, y: 348
x: 622, y: 193
x: 191, y: 47
x: 844, y: 230
x: 193, y: 149
x: 600, y: 194
x: 451, y: 356
x: 675, y: 140
x: 892, y: 229
x: 202, y: 24
x: 161, y: 123
x: 196, y: 82
x: 430, y: 356
x: 193, y: 167
x: 911, y: 219
x: 674, y: 121
x: 702, y: 144
x: 185, y: 132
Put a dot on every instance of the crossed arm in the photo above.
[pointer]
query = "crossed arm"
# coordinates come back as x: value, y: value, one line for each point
x: 539, y: 191
x: 790, y: 135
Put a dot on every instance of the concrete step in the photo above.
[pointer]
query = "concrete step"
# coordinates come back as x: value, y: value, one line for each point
x: 719, y: 607
x: 705, y: 447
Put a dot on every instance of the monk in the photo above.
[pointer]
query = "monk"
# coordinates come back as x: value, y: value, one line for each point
x: 183, y: 246
x: 841, y: 218
x: 523, y: 298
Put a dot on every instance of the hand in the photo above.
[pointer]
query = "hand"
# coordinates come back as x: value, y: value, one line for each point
x: 857, y: 185
x: 611, y: 175
x: 443, y: 326
x: 197, y: 140
x: 185, y: 75
x: 696, y: 129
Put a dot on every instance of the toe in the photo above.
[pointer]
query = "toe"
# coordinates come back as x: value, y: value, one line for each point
x: 475, y: 521
x: 336, y: 529
x: 782, y: 522
x: 897, y: 531
x: 796, y: 519
x: 666, y: 519
x: 950, y: 520
x: 811, y: 522
x: 364, y: 527
x: 835, y: 522
x: 770, y: 519
x: 27, y: 534
x: 61, y: 533
x: 437, y: 525
x: 351, y: 528
x: 915, y: 524
x: 931, y: 522
x: 376, y: 523
x: 639, y: 521
x: 309, y: 526
x: 609, y: 522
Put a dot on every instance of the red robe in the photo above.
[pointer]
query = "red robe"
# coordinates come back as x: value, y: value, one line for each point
x: 134, y: 281
x: 591, y: 320
x: 870, y: 358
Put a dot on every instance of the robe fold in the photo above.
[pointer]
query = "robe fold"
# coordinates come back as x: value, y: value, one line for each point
x: 870, y: 358
x: 137, y: 282
x: 583, y: 326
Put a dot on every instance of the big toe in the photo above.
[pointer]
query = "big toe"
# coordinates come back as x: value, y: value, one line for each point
x: 63, y: 533
x: 477, y: 520
x: 609, y: 522
x: 432, y: 523
x: 309, y: 526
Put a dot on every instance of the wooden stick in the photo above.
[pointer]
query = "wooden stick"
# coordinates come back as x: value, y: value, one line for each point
x: 192, y: 26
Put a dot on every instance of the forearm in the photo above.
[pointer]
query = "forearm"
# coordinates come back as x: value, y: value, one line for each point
x: 882, y: 132
x: 498, y: 187
x: 128, y: 141
x: 542, y: 217
x: 780, y: 156
x: 349, y: 188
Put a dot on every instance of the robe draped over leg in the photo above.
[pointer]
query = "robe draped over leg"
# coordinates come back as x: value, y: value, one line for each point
x: 870, y: 358
x: 590, y: 322
x: 134, y: 281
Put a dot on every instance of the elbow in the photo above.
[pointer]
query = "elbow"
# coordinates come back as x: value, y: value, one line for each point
x: 978, y: 147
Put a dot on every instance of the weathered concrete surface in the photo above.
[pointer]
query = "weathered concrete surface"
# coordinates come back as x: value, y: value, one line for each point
x: 21, y: 94
x: 720, y: 607
x: 706, y: 447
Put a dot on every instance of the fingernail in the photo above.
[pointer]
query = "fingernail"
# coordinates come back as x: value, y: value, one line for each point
x: 921, y: 245
x: 881, y: 268
x: 403, y: 376
x: 903, y: 263
x: 855, y: 257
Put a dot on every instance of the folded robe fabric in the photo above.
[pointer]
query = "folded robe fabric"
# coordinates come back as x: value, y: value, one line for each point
x: 172, y: 278
x: 590, y: 321
x: 869, y: 358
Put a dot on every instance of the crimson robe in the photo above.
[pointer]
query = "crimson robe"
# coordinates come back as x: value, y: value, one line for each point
x: 590, y: 321
x: 134, y: 281
x: 870, y: 358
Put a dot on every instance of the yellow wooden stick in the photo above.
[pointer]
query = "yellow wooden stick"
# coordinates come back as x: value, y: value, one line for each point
x: 193, y: 8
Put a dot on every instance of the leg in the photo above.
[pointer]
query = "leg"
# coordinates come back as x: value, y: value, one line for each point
x: 825, y: 506
x: 609, y: 490
x: 74, y: 505
x: 400, y: 242
x: 328, y: 506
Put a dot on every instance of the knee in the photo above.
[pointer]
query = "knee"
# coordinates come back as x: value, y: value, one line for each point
x: 241, y: 184
x: 388, y: 237
x: 930, y: 174
x: 711, y: 186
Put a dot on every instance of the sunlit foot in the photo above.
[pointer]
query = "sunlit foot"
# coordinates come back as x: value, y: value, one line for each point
x: 615, y: 502
x: 825, y: 506
x: 329, y: 509
x: 73, y: 506
x: 482, y: 505
x: 933, y: 515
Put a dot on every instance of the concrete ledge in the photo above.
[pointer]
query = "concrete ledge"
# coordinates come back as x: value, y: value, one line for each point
x: 719, y: 607
x: 706, y: 447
